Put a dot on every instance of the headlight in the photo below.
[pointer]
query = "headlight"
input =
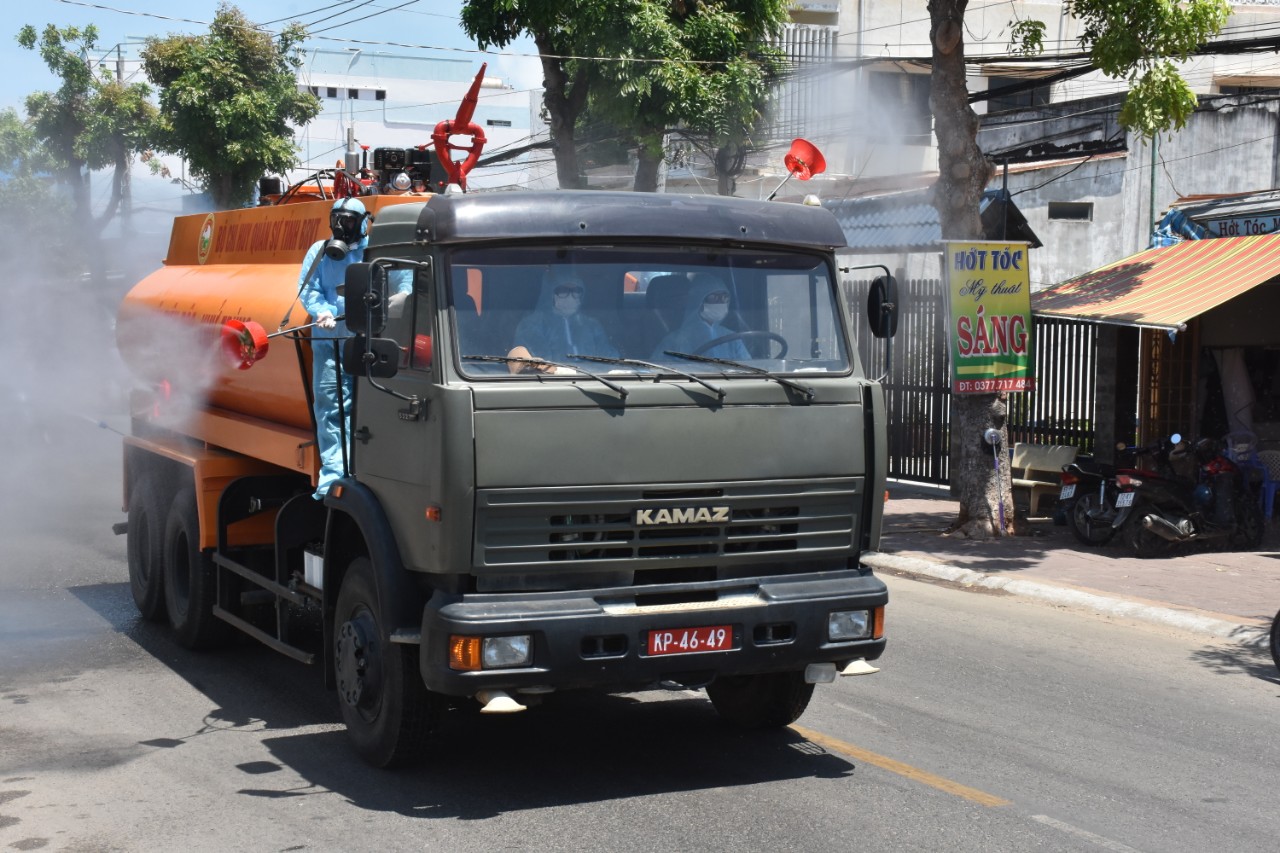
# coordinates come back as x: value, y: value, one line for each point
x: 849, y: 625
x: 468, y: 654
x: 500, y: 652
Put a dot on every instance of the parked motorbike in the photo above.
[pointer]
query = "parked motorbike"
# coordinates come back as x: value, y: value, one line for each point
x: 1212, y: 506
x: 1088, y: 496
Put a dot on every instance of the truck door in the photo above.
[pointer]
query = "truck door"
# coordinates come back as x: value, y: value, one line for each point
x: 395, y: 444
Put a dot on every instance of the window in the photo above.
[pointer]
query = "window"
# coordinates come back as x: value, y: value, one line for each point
x: 380, y: 95
x: 1245, y: 90
x: 1033, y: 96
x: 769, y: 308
x: 903, y: 100
x: 1076, y: 211
x: 330, y: 92
x: 498, y: 122
x: 353, y: 94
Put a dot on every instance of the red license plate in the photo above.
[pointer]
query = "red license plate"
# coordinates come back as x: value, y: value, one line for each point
x: 685, y: 641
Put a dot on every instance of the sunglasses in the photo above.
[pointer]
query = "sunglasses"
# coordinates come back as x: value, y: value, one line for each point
x: 717, y: 297
x: 566, y: 290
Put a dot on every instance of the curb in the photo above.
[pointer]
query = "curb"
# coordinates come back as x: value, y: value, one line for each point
x: 1186, y: 620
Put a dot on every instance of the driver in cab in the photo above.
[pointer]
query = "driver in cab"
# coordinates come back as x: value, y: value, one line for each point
x: 705, y: 310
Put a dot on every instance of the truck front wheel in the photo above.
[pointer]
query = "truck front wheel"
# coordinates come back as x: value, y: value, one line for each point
x: 388, y: 712
x: 145, y: 549
x: 768, y: 701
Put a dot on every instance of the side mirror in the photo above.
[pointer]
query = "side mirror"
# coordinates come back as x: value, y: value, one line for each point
x: 882, y: 307
x: 366, y: 298
x: 375, y: 358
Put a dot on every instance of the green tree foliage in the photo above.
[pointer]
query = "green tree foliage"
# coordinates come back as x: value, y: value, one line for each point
x: 712, y: 83
x: 711, y: 75
x: 1135, y: 40
x: 90, y: 122
x: 1139, y: 41
x: 561, y: 30
x: 227, y: 102
x: 27, y: 183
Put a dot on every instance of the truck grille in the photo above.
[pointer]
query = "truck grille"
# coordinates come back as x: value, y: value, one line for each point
x: 528, y: 528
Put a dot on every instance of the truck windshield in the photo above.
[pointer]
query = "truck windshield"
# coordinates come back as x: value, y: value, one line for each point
x: 771, y: 310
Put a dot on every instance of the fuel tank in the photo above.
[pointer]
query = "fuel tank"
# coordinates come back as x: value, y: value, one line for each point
x: 237, y: 264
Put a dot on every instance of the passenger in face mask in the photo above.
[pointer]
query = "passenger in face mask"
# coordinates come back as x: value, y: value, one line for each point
x: 705, y: 310
x: 324, y: 270
x: 559, y: 328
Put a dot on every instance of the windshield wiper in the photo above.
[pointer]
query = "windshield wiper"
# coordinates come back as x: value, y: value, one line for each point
x: 506, y: 359
x: 659, y: 368
x: 751, y: 368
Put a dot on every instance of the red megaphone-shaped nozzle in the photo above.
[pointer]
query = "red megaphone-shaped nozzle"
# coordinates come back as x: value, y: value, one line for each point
x: 804, y: 160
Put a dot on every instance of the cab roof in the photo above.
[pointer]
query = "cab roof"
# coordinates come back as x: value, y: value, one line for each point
x: 585, y: 214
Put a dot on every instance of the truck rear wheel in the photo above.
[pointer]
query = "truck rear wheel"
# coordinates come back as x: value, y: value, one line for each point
x: 144, y: 547
x: 190, y: 582
x: 766, y: 701
x: 387, y: 709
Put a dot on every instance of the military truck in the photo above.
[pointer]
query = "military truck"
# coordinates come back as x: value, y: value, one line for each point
x: 657, y: 511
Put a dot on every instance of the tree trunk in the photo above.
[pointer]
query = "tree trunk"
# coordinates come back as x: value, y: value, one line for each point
x: 648, y: 162
x: 729, y: 160
x: 963, y: 173
x: 564, y: 100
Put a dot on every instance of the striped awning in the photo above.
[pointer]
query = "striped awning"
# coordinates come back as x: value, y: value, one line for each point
x: 1164, y: 288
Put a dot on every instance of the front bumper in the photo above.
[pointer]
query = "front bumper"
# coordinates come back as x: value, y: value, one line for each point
x: 598, y: 638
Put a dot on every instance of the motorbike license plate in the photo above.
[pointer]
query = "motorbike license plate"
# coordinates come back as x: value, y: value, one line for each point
x: 685, y: 641
x: 1124, y: 499
x: 1067, y: 492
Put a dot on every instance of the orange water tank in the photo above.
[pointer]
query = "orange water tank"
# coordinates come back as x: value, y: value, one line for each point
x: 237, y: 264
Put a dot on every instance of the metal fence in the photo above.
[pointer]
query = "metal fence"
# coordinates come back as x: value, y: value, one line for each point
x: 918, y: 389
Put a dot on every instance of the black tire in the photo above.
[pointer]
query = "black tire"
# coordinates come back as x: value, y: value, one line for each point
x: 190, y: 582
x: 1142, y: 541
x: 387, y: 709
x: 144, y: 547
x: 767, y: 701
x: 1251, y: 526
x: 1088, y: 530
x: 1275, y: 640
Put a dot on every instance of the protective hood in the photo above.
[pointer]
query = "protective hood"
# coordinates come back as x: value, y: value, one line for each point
x: 704, y: 284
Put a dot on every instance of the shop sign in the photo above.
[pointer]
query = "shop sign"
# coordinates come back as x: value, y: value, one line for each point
x: 989, y: 295
x: 1243, y: 226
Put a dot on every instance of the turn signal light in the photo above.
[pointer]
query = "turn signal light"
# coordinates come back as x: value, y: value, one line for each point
x: 464, y: 653
x: 877, y: 623
x: 432, y: 513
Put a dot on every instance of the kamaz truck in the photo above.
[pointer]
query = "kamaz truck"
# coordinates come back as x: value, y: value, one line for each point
x: 515, y: 522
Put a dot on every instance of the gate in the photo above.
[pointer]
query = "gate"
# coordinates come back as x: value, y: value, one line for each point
x: 918, y: 391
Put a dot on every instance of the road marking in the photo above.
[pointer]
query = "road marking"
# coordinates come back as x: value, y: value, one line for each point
x: 973, y: 795
x: 1105, y: 843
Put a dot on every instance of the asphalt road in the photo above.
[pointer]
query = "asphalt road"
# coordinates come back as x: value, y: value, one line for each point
x: 995, y: 725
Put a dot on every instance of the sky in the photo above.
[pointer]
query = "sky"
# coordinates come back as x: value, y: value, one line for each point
x: 416, y: 28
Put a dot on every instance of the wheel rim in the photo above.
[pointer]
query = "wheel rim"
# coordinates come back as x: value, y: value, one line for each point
x: 359, y: 665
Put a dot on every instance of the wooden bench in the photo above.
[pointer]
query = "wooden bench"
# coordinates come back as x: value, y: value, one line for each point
x: 1038, y: 469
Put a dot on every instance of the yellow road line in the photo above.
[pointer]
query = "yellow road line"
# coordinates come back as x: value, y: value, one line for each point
x: 982, y: 798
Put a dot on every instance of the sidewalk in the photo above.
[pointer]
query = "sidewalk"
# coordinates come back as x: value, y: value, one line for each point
x: 1232, y: 594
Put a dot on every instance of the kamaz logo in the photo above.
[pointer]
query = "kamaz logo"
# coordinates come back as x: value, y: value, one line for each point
x: 683, y: 515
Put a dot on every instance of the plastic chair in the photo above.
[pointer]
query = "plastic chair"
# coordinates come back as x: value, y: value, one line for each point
x: 1269, y: 462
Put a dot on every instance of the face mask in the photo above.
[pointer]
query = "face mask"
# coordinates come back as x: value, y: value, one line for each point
x: 714, y: 312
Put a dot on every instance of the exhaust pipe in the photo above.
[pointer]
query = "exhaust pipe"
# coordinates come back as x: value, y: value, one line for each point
x: 1166, y: 529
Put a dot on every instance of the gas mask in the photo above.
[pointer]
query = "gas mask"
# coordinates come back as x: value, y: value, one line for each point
x: 346, y: 226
